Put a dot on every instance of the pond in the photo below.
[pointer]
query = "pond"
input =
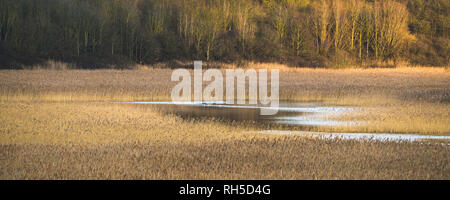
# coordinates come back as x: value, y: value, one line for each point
x: 289, y: 113
x: 292, y: 118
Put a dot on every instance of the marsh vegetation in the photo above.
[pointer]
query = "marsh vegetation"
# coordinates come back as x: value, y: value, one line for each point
x: 62, y: 124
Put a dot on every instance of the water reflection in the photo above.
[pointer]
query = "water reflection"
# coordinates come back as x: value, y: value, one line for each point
x: 289, y: 113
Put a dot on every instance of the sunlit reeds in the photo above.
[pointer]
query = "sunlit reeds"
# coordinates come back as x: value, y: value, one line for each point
x: 63, y: 124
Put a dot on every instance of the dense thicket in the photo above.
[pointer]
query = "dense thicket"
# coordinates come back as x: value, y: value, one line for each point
x: 302, y: 32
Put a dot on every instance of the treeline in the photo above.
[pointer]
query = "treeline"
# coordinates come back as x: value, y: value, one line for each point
x: 98, y: 33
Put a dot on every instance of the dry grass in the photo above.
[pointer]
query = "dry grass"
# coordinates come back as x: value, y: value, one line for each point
x: 58, y: 124
x: 344, y: 86
x: 85, y: 85
x: 283, y: 158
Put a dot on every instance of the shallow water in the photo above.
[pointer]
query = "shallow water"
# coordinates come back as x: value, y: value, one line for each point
x: 290, y: 114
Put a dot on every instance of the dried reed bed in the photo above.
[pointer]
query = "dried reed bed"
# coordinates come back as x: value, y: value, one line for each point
x: 97, y: 123
x: 283, y: 158
x: 85, y: 85
x: 104, y: 141
x: 60, y: 124
x: 346, y: 86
